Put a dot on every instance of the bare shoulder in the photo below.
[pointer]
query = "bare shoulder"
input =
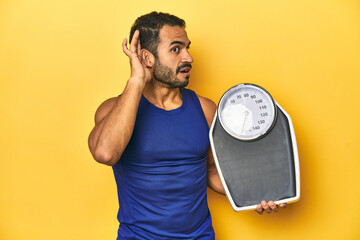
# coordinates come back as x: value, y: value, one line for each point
x: 104, y: 109
x: 209, y: 108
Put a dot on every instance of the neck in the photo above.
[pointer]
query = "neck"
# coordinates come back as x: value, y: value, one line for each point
x: 162, y: 96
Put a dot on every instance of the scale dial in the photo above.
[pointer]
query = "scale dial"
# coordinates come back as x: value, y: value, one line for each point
x: 247, y: 112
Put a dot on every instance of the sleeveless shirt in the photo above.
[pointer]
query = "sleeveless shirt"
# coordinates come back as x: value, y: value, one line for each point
x: 161, y: 176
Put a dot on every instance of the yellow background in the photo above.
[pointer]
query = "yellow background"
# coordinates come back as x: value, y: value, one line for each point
x: 60, y: 59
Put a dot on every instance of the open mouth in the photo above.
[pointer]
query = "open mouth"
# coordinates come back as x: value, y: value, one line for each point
x: 185, y: 70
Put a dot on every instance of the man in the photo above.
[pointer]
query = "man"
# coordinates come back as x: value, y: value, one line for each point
x: 155, y: 136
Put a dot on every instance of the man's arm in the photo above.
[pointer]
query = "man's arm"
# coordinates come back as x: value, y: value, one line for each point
x: 214, y: 182
x: 114, y: 124
x: 115, y: 118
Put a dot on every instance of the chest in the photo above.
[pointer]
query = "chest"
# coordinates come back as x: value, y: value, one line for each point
x: 164, y: 136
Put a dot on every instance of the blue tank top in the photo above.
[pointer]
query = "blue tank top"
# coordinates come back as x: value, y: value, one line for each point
x: 162, y: 176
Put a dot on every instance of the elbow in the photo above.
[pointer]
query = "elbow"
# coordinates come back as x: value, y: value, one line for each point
x: 102, y: 153
x: 105, y: 158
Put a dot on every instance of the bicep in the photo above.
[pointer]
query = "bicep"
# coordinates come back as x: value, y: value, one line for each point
x: 209, y: 109
x: 104, y: 109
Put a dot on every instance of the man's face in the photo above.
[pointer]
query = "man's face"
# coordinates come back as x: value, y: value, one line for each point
x: 173, y: 64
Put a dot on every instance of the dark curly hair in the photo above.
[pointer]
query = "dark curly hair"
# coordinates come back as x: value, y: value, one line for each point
x: 149, y: 26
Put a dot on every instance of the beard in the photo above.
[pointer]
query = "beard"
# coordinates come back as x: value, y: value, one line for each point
x: 167, y: 76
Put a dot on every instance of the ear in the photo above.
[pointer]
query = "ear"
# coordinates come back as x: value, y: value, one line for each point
x: 147, y: 58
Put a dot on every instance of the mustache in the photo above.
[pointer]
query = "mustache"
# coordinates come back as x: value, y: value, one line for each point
x: 182, y: 66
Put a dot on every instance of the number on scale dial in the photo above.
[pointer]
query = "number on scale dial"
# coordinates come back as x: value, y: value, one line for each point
x: 247, y: 112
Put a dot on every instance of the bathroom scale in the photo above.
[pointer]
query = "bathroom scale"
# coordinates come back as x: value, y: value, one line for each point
x: 254, y: 147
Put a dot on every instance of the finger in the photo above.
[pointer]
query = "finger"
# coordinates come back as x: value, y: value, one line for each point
x: 283, y: 205
x: 265, y: 206
x: 273, y: 206
x: 134, y: 41
x: 259, y: 209
x: 139, y: 54
x: 139, y: 48
x: 125, y: 48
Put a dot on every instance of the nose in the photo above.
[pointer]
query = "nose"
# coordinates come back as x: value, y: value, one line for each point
x: 187, y: 57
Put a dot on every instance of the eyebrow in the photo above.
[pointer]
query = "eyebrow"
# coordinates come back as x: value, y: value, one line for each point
x: 180, y: 43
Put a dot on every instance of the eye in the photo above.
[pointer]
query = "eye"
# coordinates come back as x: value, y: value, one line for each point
x: 175, y: 49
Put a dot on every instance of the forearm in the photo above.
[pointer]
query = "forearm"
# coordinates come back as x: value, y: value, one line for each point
x: 112, y: 133
x: 214, y: 181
